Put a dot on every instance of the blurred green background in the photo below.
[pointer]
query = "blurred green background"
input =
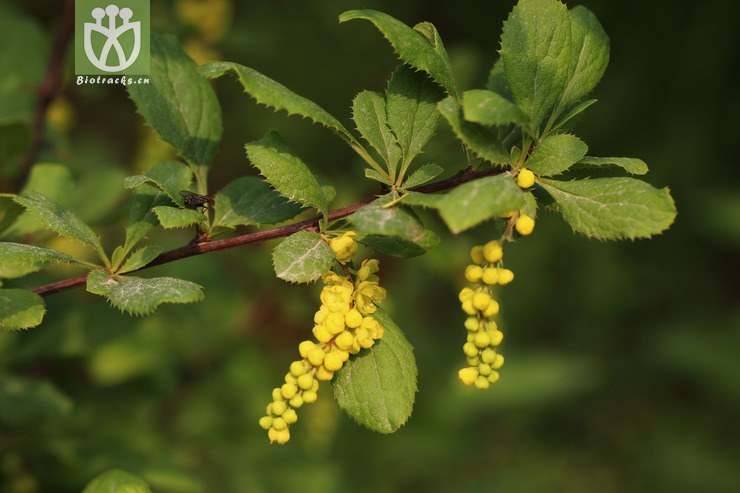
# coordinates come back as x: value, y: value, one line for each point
x: 622, y: 370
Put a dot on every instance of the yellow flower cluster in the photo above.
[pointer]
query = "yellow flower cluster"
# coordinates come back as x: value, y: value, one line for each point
x: 344, y: 246
x: 343, y: 326
x: 477, y: 302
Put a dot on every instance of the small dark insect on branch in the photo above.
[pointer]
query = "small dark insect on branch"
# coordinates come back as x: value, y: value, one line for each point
x: 193, y: 200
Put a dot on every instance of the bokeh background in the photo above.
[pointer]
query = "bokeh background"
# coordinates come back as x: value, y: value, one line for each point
x: 622, y: 370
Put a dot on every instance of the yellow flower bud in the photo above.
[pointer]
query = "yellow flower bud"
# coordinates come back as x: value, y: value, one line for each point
x: 476, y: 255
x: 305, y: 347
x: 278, y: 408
x: 498, y: 362
x: 279, y: 436
x: 496, y: 337
x: 482, y: 340
x: 470, y: 349
x: 494, y: 376
x: 316, y: 356
x: 471, y: 323
x: 492, y: 251
x: 296, y: 402
x: 322, y: 373
x: 265, y: 422
x: 334, y: 323
x: 505, y: 276
x: 289, y: 390
x: 353, y: 318
x: 490, y: 276
x: 468, y: 376
x: 333, y: 362
x: 466, y: 294
x: 492, y: 309
x: 473, y: 273
x: 305, y: 381
x: 484, y: 369
x: 482, y: 382
x: 344, y: 340
x: 525, y: 178
x: 322, y: 334
x: 524, y: 225
x: 297, y: 368
x: 488, y: 356
x: 290, y: 416
x: 310, y: 396
x: 467, y: 307
x: 481, y: 301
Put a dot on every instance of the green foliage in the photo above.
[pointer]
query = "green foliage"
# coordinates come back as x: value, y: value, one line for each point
x: 613, y: 208
x: 422, y: 48
x: 173, y: 217
x: 61, y: 221
x: 170, y: 177
x: 371, y: 118
x: 179, y: 104
x: 424, y: 174
x: 476, y: 137
x: 474, y: 202
x: 20, y: 309
x: 117, y: 481
x: 489, y: 108
x: 302, y: 257
x: 19, y: 259
x: 285, y: 171
x: 556, y: 154
x: 140, y: 296
x: 249, y: 200
x: 140, y: 258
x: 629, y: 164
x: 378, y: 387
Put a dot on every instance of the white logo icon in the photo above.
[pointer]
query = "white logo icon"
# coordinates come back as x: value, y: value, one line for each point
x: 112, y: 33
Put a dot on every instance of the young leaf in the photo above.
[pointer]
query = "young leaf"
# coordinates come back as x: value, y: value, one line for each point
x: 17, y: 260
x: 412, y: 110
x: 374, y: 175
x: 413, y: 47
x: 20, y: 309
x: 572, y: 113
x: 117, y: 481
x: 427, y: 200
x: 476, y: 137
x: 285, y: 171
x: 370, y: 116
x: 178, y: 103
x: 555, y: 154
x: 589, y: 55
x: 61, y: 221
x: 302, y: 257
x: 171, y: 177
x: 141, y: 257
x: 52, y: 180
x: 9, y: 211
x: 174, y: 217
x: 140, y: 296
x: 489, y: 108
x: 613, y: 208
x: 377, y: 387
x: 249, y: 200
x: 535, y: 49
x: 631, y: 165
x: 422, y: 175
x: 480, y: 200
x: 530, y: 205
x: 497, y: 81
x: 374, y: 219
x: 274, y: 95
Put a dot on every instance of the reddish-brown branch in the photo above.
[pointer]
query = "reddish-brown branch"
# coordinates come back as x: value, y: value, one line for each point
x: 270, y: 234
x: 47, y: 92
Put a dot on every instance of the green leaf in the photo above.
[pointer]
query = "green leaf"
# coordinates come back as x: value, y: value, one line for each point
x: 249, y: 200
x: 489, y: 108
x: 476, y: 137
x: 476, y: 201
x: 530, y: 205
x: 61, y: 221
x: 536, y: 51
x: 9, y: 211
x: 427, y: 200
x: 17, y: 260
x: 27, y: 402
x: 52, y: 180
x: 117, y: 481
x: 171, y: 177
x: 413, y: 47
x: 140, y: 258
x: 573, y: 112
x: 285, y: 171
x: 22, y: 65
x: 179, y: 103
x: 377, y: 387
x: 174, y: 217
x: 555, y: 154
x: 589, y: 55
x: 423, y: 175
x: 370, y: 116
x: 613, y: 208
x: 274, y: 95
x: 20, y: 309
x: 497, y: 81
x: 374, y: 175
x: 401, y: 247
x: 392, y: 230
x: 302, y: 257
x: 631, y: 165
x: 140, y: 296
x: 412, y: 111
x: 142, y: 219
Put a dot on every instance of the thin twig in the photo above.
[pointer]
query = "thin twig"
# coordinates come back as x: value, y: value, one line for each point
x: 47, y: 92
x: 193, y: 249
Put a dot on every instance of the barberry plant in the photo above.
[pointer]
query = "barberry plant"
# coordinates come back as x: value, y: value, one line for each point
x: 519, y: 154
